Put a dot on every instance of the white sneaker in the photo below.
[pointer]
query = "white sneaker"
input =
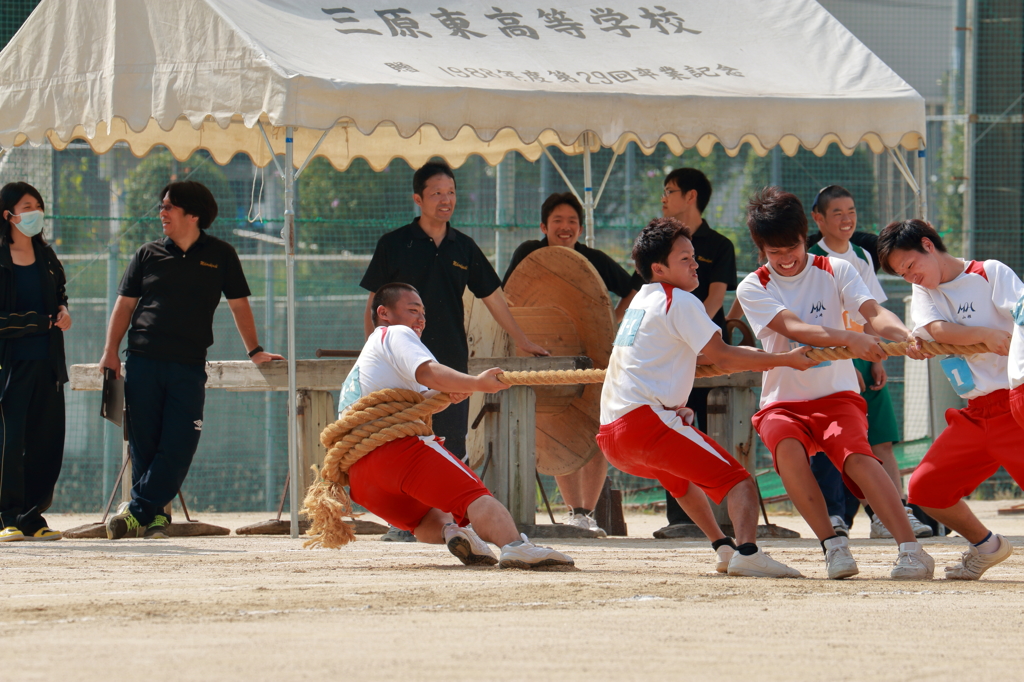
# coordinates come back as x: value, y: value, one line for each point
x: 725, y: 554
x: 878, y: 529
x: 913, y: 563
x: 467, y: 546
x: 839, y: 526
x: 584, y: 521
x: 760, y: 565
x: 973, y: 563
x: 525, y: 554
x: 921, y: 530
x: 838, y: 560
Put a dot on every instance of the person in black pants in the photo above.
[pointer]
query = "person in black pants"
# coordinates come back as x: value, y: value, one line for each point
x: 441, y: 263
x: 33, y: 318
x: 168, y: 296
x: 687, y: 193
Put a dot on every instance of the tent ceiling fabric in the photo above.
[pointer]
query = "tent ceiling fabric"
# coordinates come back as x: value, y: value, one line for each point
x: 415, y: 80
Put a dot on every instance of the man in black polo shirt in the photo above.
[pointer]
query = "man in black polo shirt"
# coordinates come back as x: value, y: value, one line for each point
x: 168, y: 296
x: 561, y: 221
x: 441, y: 262
x: 687, y: 193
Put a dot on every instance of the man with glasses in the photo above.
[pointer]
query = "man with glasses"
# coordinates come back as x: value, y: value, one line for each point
x: 686, y: 196
x: 168, y: 296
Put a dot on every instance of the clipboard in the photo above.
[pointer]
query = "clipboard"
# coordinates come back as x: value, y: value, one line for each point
x: 112, y: 407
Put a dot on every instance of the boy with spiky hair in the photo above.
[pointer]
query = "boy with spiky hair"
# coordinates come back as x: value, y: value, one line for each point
x: 647, y: 431
x: 963, y: 303
x: 799, y: 299
x: 836, y: 216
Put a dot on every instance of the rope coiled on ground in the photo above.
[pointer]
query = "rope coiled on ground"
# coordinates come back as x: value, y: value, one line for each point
x: 390, y: 414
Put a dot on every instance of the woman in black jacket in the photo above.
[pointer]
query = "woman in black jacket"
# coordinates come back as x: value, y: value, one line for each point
x: 33, y: 318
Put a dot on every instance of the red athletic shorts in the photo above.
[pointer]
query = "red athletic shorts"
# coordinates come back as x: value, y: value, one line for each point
x: 836, y: 425
x: 640, y: 444
x: 1017, y: 404
x: 978, y: 440
x: 404, y: 479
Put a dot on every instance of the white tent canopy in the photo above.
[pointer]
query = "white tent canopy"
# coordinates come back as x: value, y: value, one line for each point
x: 387, y: 83
x: 381, y: 80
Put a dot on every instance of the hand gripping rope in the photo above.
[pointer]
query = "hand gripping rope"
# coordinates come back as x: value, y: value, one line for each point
x: 390, y: 414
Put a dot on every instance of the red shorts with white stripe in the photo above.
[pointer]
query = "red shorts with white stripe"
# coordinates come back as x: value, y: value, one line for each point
x: 404, y: 479
x: 977, y: 441
x: 640, y: 444
x: 836, y: 425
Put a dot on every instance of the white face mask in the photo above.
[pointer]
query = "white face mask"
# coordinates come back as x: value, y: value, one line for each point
x: 31, y: 223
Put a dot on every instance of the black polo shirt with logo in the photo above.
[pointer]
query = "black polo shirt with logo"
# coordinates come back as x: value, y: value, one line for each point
x: 441, y: 275
x: 178, y: 293
x: 615, y: 278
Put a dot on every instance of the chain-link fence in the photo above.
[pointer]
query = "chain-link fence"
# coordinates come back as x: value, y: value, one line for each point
x: 101, y: 208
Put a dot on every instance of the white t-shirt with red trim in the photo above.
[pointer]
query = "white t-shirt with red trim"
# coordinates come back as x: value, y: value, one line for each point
x: 983, y: 295
x: 389, y: 359
x: 655, y: 353
x: 817, y: 295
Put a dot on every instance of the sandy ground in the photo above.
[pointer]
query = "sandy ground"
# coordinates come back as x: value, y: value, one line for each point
x: 263, y: 608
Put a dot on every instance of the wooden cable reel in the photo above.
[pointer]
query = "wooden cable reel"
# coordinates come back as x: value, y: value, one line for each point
x: 560, y: 301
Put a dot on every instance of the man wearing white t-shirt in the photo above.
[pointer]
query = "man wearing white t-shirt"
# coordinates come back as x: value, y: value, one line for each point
x: 836, y: 216
x: 414, y: 483
x: 799, y: 299
x: 963, y: 303
x: 647, y: 431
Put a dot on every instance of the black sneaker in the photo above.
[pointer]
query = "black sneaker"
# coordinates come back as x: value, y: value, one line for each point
x: 120, y: 525
x: 158, y: 529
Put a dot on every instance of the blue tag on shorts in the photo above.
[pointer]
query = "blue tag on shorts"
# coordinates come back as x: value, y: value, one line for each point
x: 959, y: 374
x: 824, y: 363
x: 351, y: 391
x: 1018, y: 312
x: 629, y: 327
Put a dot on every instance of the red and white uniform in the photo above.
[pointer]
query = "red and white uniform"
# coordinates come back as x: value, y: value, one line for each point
x: 817, y: 295
x: 984, y: 435
x: 650, y: 374
x: 404, y: 479
x: 983, y: 295
x: 820, y: 407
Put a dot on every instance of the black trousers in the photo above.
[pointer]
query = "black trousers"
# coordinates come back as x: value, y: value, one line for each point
x: 453, y: 424
x: 698, y: 402
x: 165, y: 403
x: 31, y: 444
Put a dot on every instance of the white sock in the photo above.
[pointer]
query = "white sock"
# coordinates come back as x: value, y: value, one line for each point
x: 989, y: 545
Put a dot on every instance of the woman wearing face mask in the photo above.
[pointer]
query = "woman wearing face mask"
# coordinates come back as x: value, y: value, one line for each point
x: 33, y: 318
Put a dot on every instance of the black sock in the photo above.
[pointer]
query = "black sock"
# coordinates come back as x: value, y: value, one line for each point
x: 747, y: 548
x: 867, y: 510
x: 580, y: 511
x: 826, y: 540
x: 724, y: 541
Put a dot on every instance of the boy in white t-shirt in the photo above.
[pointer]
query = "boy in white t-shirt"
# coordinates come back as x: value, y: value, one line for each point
x: 800, y: 299
x: 647, y: 431
x: 414, y: 483
x: 836, y: 216
x: 963, y: 303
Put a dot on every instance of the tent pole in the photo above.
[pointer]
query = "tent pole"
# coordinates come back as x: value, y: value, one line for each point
x: 562, y: 173
x: 588, y: 190
x: 967, y: 226
x: 921, y: 171
x: 288, y: 234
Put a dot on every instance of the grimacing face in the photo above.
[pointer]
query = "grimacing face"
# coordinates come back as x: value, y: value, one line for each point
x: 680, y: 269
x: 408, y: 311
x: 916, y: 267
x: 788, y: 261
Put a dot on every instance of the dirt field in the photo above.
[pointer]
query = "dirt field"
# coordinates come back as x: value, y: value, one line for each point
x: 243, y: 608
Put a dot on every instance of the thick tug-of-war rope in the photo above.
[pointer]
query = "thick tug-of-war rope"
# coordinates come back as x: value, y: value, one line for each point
x: 390, y: 414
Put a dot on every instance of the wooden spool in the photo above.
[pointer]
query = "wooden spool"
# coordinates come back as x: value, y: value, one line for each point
x: 560, y: 301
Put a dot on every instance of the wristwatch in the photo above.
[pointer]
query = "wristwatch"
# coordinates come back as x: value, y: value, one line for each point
x: 254, y: 351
